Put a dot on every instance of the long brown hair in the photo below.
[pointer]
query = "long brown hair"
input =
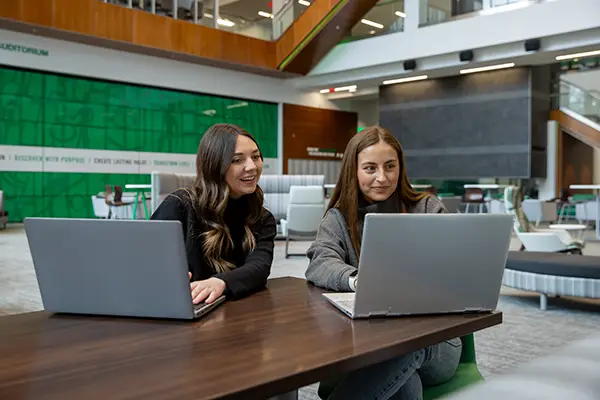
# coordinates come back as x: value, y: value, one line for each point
x: 346, y: 194
x: 209, y: 194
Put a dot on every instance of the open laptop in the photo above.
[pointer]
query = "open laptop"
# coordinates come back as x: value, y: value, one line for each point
x: 416, y: 264
x: 134, y: 268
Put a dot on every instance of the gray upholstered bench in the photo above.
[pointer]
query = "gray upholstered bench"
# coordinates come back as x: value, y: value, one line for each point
x: 553, y: 274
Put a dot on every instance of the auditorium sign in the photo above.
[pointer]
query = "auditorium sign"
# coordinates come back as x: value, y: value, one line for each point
x: 17, y: 48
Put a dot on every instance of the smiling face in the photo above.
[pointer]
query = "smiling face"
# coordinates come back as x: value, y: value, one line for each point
x: 245, y: 168
x: 378, y: 172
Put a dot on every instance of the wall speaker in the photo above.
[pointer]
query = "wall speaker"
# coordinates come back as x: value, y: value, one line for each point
x: 533, y: 44
x: 466, y: 55
x: 410, y: 64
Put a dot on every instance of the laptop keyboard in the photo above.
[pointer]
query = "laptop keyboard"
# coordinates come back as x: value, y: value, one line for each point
x: 347, y: 305
x: 343, y: 300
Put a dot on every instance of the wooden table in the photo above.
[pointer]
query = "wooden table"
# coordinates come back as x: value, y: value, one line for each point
x: 282, y: 338
x: 140, y: 194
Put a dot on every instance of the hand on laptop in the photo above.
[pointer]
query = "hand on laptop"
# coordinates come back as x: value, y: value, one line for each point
x: 207, y: 290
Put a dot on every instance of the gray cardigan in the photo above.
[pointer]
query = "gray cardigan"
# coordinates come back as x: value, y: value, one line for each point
x: 332, y: 256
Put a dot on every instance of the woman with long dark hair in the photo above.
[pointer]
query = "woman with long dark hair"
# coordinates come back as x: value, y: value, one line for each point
x: 373, y: 179
x: 229, y: 235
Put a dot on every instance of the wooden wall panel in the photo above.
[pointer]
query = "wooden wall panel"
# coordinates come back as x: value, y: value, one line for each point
x: 234, y: 48
x: 208, y: 39
x: 37, y: 11
x: 10, y: 9
x: 300, y: 29
x: 577, y: 163
x: 114, y: 23
x: 75, y: 15
x: 315, y: 127
x: 152, y: 30
x: 575, y: 156
x: 576, y: 128
x: 108, y: 21
x: 262, y: 52
x: 185, y: 38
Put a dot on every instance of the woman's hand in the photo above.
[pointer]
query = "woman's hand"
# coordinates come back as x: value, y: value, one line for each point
x: 207, y: 290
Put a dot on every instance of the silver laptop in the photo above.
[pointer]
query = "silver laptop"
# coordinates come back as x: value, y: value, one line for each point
x: 133, y: 268
x: 416, y: 264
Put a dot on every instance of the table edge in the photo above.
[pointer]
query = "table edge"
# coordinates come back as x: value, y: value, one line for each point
x: 341, y: 366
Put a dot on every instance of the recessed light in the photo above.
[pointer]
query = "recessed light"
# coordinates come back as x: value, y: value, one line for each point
x: 400, y: 14
x: 304, y: 3
x: 344, y: 88
x: 325, y: 91
x: 372, y: 32
x: 371, y: 23
x: 265, y: 14
x: 403, y: 80
x: 488, y: 68
x: 577, y: 55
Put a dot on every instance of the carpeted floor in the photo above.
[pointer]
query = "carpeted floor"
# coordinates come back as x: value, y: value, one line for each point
x: 526, y: 333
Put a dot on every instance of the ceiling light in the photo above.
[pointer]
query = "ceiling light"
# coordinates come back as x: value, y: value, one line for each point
x: 304, y: 3
x: 371, y: 23
x: 372, y: 32
x: 208, y: 15
x: 350, y: 88
x: 225, y: 22
x: 403, y: 80
x: 400, y: 14
x: 579, y: 55
x: 489, y: 68
x: 265, y: 14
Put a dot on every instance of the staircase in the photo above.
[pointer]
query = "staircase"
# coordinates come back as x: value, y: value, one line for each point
x: 579, y: 113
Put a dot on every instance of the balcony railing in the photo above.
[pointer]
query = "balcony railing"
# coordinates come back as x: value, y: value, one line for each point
x: 434, y: 12
x: 388, y: 16
x: 244, y: 17
x: 583, y: 102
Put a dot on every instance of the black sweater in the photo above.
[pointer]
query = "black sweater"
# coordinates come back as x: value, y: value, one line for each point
x: 252, y: 270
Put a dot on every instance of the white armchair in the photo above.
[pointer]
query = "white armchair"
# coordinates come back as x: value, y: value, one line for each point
x: 304, y: 213
x: 555, y: 240
x: 101, y: 209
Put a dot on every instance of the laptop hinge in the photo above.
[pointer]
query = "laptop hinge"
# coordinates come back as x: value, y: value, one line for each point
x: 378, y: 313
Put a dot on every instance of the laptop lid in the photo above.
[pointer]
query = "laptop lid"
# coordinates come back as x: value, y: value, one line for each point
x: 431, y: 263
x: 111, y: 267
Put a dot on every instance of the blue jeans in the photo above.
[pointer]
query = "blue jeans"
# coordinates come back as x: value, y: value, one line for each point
x: 402, y: 378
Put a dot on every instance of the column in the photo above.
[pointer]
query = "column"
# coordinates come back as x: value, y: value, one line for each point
x: 412, y: 9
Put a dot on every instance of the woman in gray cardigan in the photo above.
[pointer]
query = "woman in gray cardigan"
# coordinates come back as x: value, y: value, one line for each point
x: 373, y: 179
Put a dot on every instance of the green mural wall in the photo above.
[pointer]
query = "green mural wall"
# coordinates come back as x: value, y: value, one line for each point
x: 41, y: 114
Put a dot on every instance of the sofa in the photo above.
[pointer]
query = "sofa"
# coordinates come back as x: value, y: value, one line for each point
x: 3, y: 212
x: 555, y: 274
x: 275, y: 187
